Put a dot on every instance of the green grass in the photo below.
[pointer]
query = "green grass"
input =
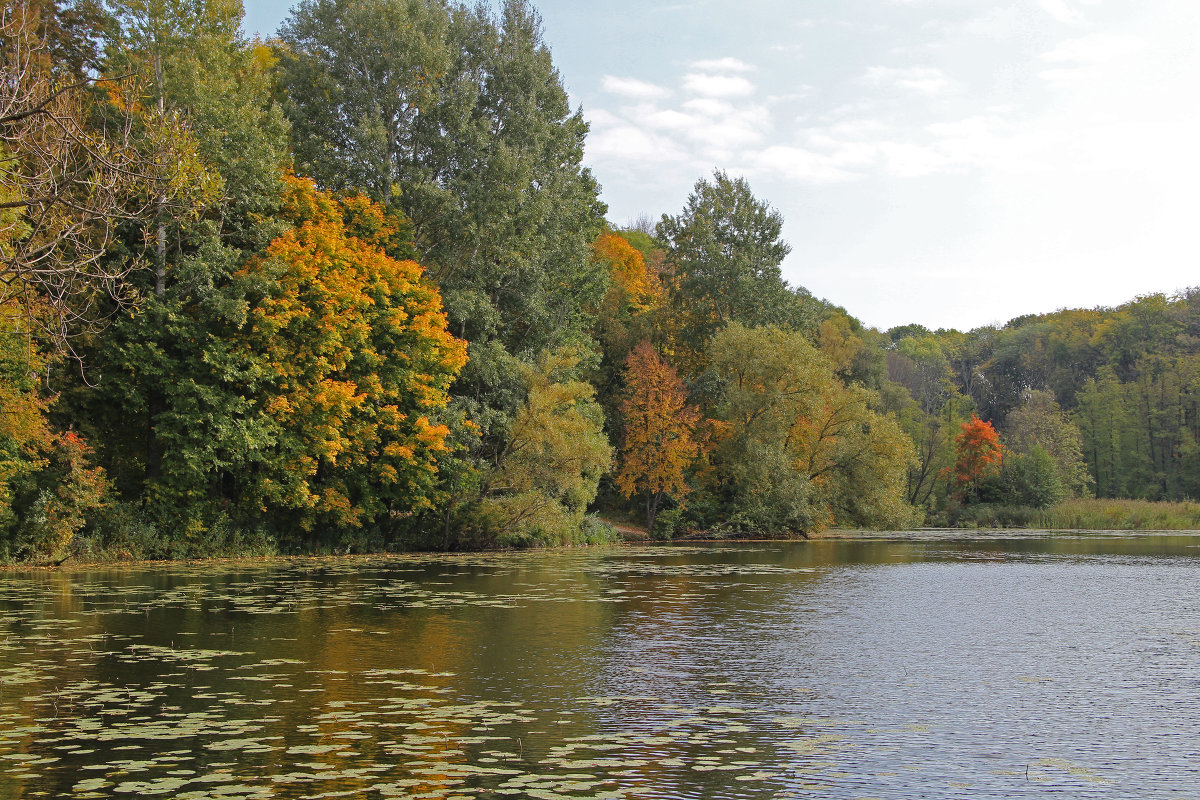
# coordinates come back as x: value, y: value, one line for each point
x: 1119, y: 515
x: 1083, y: 514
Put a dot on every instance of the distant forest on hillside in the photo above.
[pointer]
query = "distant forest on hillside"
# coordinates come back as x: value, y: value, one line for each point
x: 353, y: 289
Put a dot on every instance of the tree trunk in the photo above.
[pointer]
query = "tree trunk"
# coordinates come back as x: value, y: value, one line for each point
x: 652, y: 501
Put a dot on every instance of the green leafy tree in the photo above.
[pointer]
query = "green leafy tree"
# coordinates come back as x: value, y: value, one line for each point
x: 929, y: 408
x: 169, y: 396
x: 462, y: 120
x: 362, y: 81
x: 196, y: 66
x: 1029, y: 478
x: 538, y: 488
x: 1040, y: 424
x: 723, y: 260
x: 800, y: 450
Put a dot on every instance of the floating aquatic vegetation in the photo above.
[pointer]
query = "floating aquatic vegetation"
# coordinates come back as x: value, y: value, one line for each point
x: 593, y: 674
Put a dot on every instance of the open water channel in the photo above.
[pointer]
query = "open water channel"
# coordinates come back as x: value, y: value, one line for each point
x: 992, y: 667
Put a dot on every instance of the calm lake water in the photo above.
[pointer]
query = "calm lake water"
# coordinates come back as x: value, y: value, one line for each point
x: 995, y: 667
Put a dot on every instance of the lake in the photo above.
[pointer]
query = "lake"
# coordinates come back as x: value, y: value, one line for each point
x: 983, y: 667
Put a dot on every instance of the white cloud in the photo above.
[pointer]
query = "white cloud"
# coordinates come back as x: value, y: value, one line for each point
x: 1061, y: 10
x: 799, y: 164
x: 924, y: 80
x: 632, y: 87
x: 723, y: 65
x: 1096, y: 48
x: 664, y: 119
x: 707, y: 123
x: 717, y: 85
x: 709, y: 107
x: 1082, y: 61
x: 625, y: 142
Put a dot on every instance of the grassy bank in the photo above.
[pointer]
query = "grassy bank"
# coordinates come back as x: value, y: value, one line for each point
x: 1084, y: 514
x: 1121, y: 515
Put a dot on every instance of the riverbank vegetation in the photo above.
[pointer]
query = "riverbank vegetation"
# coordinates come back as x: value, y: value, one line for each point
x: 353, y: 289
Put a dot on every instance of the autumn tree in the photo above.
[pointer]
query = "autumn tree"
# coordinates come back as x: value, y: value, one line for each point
x: 659, y: 431
x: 979, y: 457
x: 837, y: 339
x: 630, y: 312
x: 48, y: 483
x: 78, y: 162
x: 631, y: 280
x: 856, y: 458
x: 351, y: 350
x: 456, y: 117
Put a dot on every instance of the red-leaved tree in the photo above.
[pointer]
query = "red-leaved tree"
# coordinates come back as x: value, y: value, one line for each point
x: 979, y: 455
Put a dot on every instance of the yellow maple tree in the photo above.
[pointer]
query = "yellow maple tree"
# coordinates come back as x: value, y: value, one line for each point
x: 359, y: 363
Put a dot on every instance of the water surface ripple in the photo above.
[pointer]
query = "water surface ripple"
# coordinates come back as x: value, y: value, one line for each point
x: 984, y: 668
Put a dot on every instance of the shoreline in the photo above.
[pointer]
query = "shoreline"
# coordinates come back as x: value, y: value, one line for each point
x: 634, y: 541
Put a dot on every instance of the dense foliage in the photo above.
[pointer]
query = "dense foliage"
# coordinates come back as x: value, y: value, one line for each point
x: 353, y: 288
x: 1105, y: 401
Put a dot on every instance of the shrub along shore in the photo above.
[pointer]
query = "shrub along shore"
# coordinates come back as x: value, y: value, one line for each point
x: 1092, y: 515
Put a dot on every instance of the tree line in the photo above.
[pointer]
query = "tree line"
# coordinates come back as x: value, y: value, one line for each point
x: 352, y: 288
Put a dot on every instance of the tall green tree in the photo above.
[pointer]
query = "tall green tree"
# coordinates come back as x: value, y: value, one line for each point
x: 461, y: 119
x: 724, y: 253
x: 171, y: 411
x: 195, y: 64
x: 362, y: 81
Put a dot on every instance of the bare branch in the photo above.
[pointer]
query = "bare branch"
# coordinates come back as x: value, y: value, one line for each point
x: 67, y: 185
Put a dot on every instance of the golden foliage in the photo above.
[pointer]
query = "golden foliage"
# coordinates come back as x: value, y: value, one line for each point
x: 635, y: 284
x: 359, y: 358
x: 659, y: 426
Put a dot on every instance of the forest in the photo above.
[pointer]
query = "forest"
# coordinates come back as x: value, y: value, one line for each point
x: 352, y: 289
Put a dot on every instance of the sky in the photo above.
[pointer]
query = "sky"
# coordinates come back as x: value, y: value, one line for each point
x: 954, y: 163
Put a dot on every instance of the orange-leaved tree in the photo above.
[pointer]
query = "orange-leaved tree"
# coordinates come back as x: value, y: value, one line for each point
x: 357, y: 363
x: 979, y: 456
x: 659, y: 431
x: 637, y: 285
x: 626, y: 313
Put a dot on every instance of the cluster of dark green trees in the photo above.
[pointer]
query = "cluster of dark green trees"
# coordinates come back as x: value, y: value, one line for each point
x: 353, y: 288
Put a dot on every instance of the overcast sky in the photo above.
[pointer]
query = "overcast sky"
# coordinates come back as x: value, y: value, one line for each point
x: 949, y: 162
